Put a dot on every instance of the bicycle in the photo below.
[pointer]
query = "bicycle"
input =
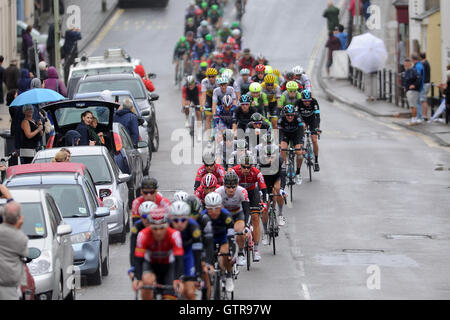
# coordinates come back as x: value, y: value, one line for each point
x: 158, y: 290
x: 219, y: 279
x: 192, y: 119
x: 273, y: 227
x: 290, y: 172
x: 309, y: 154
x: 240, y: 9
x: 248, y: 246
x: 179, y: 71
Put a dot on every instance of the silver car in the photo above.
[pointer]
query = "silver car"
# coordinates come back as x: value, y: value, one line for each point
x: 44, y: 225
x: 109, y: 182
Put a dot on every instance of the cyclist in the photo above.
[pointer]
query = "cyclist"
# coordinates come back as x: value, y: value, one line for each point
x: 223, y: 34
x: 254, y: 127
x: 259, y: 73
x: 149, y: 192
x: 209, y: 166
x: 246, y: 61
x: 224, y: 115
x: 181, y: 52
x: 191, y: 94
x: 242, y: 84
x: 223, y: 234
x: 236, y: 25
x: 229, y: 74
x: 218, y: 62
x: 192, y: 245
x: 274, y: 173
x: 289, y: 76
x: 301, y: 78
x: 243, y: 113
x: 215, y: 16
x: 309, y: 110
x: 191, y: 40
x: 259, y: 98
x: 190, y: 10
x: 159, y: 256
x: 229, y: 56
x: 225, y: 149
x: 201, y: 74
x: 235, y: 200
x: 291, y: 129
x: 203, y: 30
x: 290, y: 96
x: 208, y: 86
x: 208, y: 185
x: 190, y: 25
x: 199, y: 51
x: 251, y: 178
x: 180, y: 196
x: 220, y: 92
x: 210, y: 43
x: 273, y: 93
x: 235, y: 39
x: 260, y: 59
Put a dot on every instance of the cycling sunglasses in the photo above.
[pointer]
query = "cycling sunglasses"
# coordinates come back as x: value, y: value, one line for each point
x: 210, y: 165
x: 231, y: 187
x: 149, y: 191
x: 258, y: 122
x: 178, y: 220
x: 246, y: 167
x: 211, y: 77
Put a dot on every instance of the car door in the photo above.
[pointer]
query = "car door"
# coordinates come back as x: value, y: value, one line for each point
x: 133, y: 155
x: 122, y: 188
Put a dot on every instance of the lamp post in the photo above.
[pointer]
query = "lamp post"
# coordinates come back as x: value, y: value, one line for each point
x: 57, y: 48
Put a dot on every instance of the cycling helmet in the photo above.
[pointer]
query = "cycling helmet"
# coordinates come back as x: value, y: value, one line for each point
x: 209, y: 181
x: 227, y: 100
x: 230, y: 179
x: 245, y: 99
x: 246, y: 160
x: 288, y: 109
x: 209, y: 158
x: 183, y: 39
x: 213, y: 200
x: 234, y: 25
x: 244, y: 71
x: 208, y: 37
x: 226, y: 25
x: 260, y: 68
x: 195, y: 204
x: 236, y: 32
x: 268, y: 70
x: 306, y: 95
x: 260, y: 56
x: 222, y: 80
x: 267, y: 138
x: 204, y: 23
x: 204, y: 5
x: 149, y: 183
x: 227, y: 73
x: 220, y: 55
x: 198, y: 11
x: 297, y: 70
x: 190, y: 79
x: 289, y: 76
x: 276, y: 72
x: 241, y: 144
x: 199, y: 40
x: 255, y: 87
x: 211, y: 72
x: 179, y: 209
x: 292, y: 86
x: 190, y: 21
x: 189, y: 34
x: 204, y: 64
x: 180, y: 196
x: 146, y: 207
x: 269, y: 79
x: 158, y: 216
x: 256, y: 117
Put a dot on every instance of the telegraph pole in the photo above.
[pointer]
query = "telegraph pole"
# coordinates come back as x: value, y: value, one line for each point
x: 57, y: 48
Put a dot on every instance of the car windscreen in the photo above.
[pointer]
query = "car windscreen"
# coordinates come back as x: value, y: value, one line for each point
x: 131, y: 85
x: 65, y: 116
x: 70, y: 199
x: 101, y: 70
x: 33, y: 220
x: 97, y: 165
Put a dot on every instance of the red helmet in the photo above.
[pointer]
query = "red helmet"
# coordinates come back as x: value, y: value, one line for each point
x: 209, y: 181
x: 198, y: 11
x: 220, y: 55
x: 260, y: 68
x: 158, y: 215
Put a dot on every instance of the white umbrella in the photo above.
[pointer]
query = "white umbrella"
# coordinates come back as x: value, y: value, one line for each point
x: 367, y: 53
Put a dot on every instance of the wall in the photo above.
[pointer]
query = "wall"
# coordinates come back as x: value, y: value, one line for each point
x: 433, y: 48
x: 445, y: 36
x: 8, y: 46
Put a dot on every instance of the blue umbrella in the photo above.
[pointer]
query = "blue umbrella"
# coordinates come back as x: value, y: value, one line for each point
x: 36, y: 96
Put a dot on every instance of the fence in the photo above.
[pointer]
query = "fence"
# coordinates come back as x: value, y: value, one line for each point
x: 389, y: 88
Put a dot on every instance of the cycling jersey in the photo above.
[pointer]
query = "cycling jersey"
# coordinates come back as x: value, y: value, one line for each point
x: 202, y: 31
x: 273, y: 94
x: 291, y: 131
x: 218, y: 94
x: 138, y: 226
x: 218, y: 171
x: 201, y: 194
x: 242, y: 86
x: 224, y: 118
x: 223, y: 35
x: 209, y: 89
x: 272, y: 172
x: 198, y: 52
x: 241, y: 118
x: 253, y: 179
x: 205, y: 225
x: 256, y: 79
x: 217, y: 66
x: 308, y: 111
x: 245, y: 63
x: 160, y: 201
x: 233, y: 204
x: 180, y: 51
x: 222, y: 227
x: 229, y: 57
x: 285, y: 99
x: 192, y: 95
x: 261, y: 104
x: 192, y: 246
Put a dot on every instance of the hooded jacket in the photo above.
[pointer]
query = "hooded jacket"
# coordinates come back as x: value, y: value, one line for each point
x: 71, y: 137
x: 23, y: 84
x: 54, y: 83
x: 141, y: 71
x: 129, y: 120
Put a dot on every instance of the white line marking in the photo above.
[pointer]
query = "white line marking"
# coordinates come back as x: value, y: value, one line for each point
x: 306, y: 292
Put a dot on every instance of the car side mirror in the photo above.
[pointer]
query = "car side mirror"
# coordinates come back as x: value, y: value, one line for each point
x: 154, y: 96
x: 63, y: 230
x: 145, y: 113
x: 141, y: 121
x: 33, y: 253
x: 101, y: 212
x: 151, y: 75
x: 123, y: 177
x: 142, y: 144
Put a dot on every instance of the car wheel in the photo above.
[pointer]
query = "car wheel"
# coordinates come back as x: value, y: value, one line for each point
x: 105, y: 264
x: 96, y: 278
x: 155, y: 138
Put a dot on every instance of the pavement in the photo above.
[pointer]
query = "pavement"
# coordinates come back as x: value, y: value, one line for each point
x: 343, y: 91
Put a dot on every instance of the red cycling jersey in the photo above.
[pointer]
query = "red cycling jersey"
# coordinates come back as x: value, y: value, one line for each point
x: 160, y: 201
x: 218, y: 171
x: 250, y: 181
x: 200, y: 192
x: 191, y: 95
x: 162, y: 252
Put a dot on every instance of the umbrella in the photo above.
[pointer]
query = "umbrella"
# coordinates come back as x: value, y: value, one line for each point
x: 367, y: 53
x: 36, y: 96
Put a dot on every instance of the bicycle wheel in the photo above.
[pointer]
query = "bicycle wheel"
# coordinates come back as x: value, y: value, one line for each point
x: 247, y: 254
x: 310, y: 170
x: 272, y: 228
x: 192, y: 126
x: 217, y: 286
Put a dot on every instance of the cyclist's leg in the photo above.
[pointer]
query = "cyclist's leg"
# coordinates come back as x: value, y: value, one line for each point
x: 166, y: 276
x: 254, y: 202
x: 225, y: 261
x: 189, y: 273
x: 239, y: 226
x: 298, y: 142
x: 284, y: 145
x: 206, y: 279
x: 273, y: 110
x: 148, y: 279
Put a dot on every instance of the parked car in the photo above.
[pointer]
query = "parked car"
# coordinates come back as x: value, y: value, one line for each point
x: 118, y: 97
x: 67, y: 114
x: 46, y: 230
x: 133, y: 83
x: 109, y: 181
x: 72, y: 188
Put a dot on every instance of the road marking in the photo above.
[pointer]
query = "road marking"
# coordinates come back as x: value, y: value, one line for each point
x: 106, y: 30
x: 306, y: 292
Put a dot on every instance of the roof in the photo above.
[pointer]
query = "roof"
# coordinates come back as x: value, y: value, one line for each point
x: 426, y: 14
x: 74, y: 151
x: 27, y: 195
x: 46, y: 168
x: 112, y: 76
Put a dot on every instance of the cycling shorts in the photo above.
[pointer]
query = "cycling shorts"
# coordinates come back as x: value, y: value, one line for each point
x: 271, y: 180
x: 165, y: 275
x: 313, y: 124
x: 189, y: 265
x: 238, y: 216
x: 295, y: 137
x: 255, y: 199
x: 274, y: 111
x: 208, y: 109
x: 220, y: 239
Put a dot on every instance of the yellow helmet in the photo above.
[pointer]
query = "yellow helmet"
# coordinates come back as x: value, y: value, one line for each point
x: 276, y: 72
x: 211, y: 72
x: 269, y: 79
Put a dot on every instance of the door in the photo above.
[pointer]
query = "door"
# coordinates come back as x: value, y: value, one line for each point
x: 135, y: 164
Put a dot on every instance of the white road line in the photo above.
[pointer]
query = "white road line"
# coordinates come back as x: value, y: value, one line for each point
x: 306, y: 292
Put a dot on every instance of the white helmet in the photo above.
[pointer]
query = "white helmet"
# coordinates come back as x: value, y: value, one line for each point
x: 236, y: 32
x: 107, y: 96
x: 213, y: 200
x: 180, y: 196
x: 179, y: 209
x: 146, y: 207
x: 298, y: 70
x: 226, y: 25
x: 209, y: 158
x: 227, y: 100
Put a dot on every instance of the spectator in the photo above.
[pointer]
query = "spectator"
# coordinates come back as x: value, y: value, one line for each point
x: 71, y: 38
x: 426, y: 85
x: 72, y: 138
x: 11, y: 76
x: 83, y: 129
x: 51, y: 44
x: 35, y: 83
x: 411, y: 85
x: 365, y: 6
x: 332, y: 16
x: 54, y: 83
x: 148, y: 83
x: 61, y: 156
x: 43, y: 71
x: 342, y: 36
x: 68, y: 153
x: 94, y: 134
x: 27, y: 44
x: 13, y: 248
x: 128, y: 119
x: 445, y: 102
x: 32, y: 132
x: 332, y: 44
x: 421, y: 72
x: 2, y: 70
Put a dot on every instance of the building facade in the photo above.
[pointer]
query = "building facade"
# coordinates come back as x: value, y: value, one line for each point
x: 8, y: 36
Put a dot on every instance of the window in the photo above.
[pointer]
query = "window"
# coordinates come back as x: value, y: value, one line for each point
x: 52, y: 216
x: 54, y: 209
x: 34, y: 223
x: 131, y: 85
x: 91, y: 198
x: 125, y: 139
x: 70, y: 199
x: 65, y: 116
